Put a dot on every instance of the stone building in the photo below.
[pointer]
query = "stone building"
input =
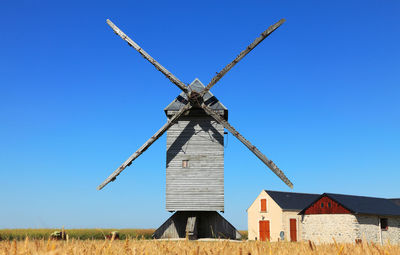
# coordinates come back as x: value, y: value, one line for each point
x: 346, y: 218
x: 274, y: 215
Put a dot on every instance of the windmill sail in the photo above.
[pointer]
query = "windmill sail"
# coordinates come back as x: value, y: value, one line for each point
x: 196, y: 97
x: 251, y: 147
x: 157, y: 65
x: 242, y: 54
x: 144, y: 147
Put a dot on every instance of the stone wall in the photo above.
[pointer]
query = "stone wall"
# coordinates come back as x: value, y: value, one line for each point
x: 370, y: 230
x: 346, y: 228
x: 324, y: 228
x: 393, y: 232
x: 286, y: 216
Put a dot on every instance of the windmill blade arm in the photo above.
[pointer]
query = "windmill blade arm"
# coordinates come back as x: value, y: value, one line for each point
x: 157, y: 65
x: 271, y: 165
x: 242, y: 54
x: 144, y: 147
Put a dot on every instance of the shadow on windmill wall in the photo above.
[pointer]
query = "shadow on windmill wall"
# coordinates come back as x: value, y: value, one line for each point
x: 183, y: 140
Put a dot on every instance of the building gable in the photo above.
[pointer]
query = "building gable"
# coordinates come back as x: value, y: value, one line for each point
x: 356, y: 205
x: 326, y: 205
x: 271, y: 213
x: 254, y: 204
x: 367, y: 205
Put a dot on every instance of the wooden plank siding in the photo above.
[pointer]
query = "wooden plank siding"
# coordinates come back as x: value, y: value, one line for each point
x: 325, y: 205
x: 200, y: 185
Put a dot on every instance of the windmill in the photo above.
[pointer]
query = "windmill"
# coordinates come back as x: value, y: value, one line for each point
x: 195, y: 153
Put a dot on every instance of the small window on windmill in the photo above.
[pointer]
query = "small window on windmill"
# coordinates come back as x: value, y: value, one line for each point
x: 185, y: 163
x: 322, y: 205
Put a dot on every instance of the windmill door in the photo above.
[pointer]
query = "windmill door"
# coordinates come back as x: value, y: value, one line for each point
x: 293, y: 230
x: 264, y: 230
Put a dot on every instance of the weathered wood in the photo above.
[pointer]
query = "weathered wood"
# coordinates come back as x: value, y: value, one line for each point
x: 191, y: 227
x: 200, y: 186
x: 157, y: 65
x: 144, y: 147
x: 242, y: 54
x: 251, y: 147
x: 207, y: 225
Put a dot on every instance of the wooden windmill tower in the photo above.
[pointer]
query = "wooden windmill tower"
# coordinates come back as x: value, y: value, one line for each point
x: 195, y: 154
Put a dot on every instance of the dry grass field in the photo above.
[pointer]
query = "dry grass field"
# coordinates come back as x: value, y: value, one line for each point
x: 82, y: 234
x: 135, y: 246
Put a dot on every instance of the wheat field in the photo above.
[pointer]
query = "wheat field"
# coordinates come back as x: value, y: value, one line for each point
x: 82, y: 234
x: 135, y: 246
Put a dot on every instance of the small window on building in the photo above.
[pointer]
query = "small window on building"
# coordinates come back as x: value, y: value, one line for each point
x: 185, y: 163
x: 384, y: 224
x: 263, y: 205
x: 322, y: 205
x: 329, y: 205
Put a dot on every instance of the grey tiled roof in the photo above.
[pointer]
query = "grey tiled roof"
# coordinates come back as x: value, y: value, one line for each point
x: 291, y: 200
x: 396, y: 201
x: 364, y: 205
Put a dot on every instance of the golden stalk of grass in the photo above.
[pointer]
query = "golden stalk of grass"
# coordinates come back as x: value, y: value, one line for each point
x: 137, y: 246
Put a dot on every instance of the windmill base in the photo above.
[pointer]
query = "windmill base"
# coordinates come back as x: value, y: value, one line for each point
x: 195, y: 225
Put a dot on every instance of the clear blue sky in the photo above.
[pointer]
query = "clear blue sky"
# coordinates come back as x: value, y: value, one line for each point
x: 320, y: 97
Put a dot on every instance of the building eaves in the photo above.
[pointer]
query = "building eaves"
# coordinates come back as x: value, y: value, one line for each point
x: 291, y: 200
